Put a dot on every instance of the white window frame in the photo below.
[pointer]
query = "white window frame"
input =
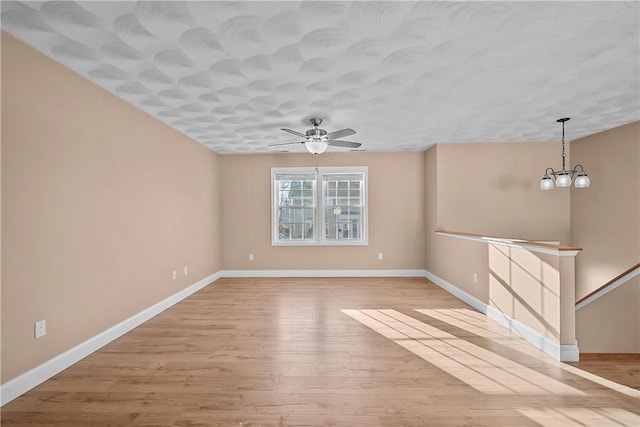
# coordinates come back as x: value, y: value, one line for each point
x: 319, y: 207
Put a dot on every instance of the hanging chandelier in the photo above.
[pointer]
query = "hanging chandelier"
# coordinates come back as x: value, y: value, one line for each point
x: 564, y: 177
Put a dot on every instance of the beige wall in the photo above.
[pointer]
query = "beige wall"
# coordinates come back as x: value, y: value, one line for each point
x: 0, y: 215
x: 525, y: 285
x: 605, y: 221
x: 491, y: 189
x: 453, y: 260
x: 536, y: 289
x: 100, y: 203
x: 396, y: 214
x: 611, y: 324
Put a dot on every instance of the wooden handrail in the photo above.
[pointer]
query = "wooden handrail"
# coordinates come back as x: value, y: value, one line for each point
x: 525, y: 243
x: 609, y: 283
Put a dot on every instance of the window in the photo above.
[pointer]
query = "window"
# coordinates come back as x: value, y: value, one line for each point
x: 319, y: 206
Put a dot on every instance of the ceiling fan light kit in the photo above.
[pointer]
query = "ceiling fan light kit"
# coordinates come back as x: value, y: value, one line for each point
x: 564, y: 176
x: 318, y: 140
x: 316, y: 145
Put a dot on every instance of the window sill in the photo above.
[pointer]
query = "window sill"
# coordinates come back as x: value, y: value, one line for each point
x: 314, y: 243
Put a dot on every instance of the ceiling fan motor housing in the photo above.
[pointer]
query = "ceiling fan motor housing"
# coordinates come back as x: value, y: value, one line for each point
x: 316, y: 133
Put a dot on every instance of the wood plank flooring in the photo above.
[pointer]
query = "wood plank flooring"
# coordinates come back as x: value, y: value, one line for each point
x: 322, y: 352
x: 620, y: 368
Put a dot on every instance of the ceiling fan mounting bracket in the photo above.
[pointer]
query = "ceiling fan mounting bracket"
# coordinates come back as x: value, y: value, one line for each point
x: 315, y: 121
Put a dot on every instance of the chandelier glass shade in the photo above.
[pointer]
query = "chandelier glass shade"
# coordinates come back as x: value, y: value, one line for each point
x: 564, y: 177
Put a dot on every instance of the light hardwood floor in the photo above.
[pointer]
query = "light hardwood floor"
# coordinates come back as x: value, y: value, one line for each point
x: 322, y: 352
x: 621, y: 368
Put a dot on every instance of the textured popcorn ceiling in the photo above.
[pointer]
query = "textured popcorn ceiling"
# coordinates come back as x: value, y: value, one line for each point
x: 404, y: 75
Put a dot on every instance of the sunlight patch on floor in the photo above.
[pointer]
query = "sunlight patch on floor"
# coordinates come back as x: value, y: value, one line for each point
x: 478, y: 324
x: 477, y: 367
x: 577, y: 416
x: 469, y: 320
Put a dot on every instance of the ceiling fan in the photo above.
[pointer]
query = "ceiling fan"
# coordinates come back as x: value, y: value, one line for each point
x: 317, y: 140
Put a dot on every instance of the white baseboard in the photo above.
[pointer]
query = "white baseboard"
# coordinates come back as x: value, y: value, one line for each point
x: 563, y: 353
x: 30, y: 379
x: 569, y: 353
x: 322, y: 273
x: 457, y: 292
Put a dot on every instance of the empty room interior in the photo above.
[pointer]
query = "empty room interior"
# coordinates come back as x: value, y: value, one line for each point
x: 320, y: 213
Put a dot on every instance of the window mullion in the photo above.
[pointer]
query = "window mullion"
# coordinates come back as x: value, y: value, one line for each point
x: 319, y: 217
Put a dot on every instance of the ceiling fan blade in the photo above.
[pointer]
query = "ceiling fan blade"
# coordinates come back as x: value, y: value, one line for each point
x: 287, y: 143
x: 301, y: 135
x: 340, y: 133
x: 346, y: 144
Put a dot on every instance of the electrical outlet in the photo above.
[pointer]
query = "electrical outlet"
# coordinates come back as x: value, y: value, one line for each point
x: 475, y: 277
x: 380, y: 256
x: 175, y: 274
x: 40, y: 328
x: 250, y: 257
x: 186, y: 270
